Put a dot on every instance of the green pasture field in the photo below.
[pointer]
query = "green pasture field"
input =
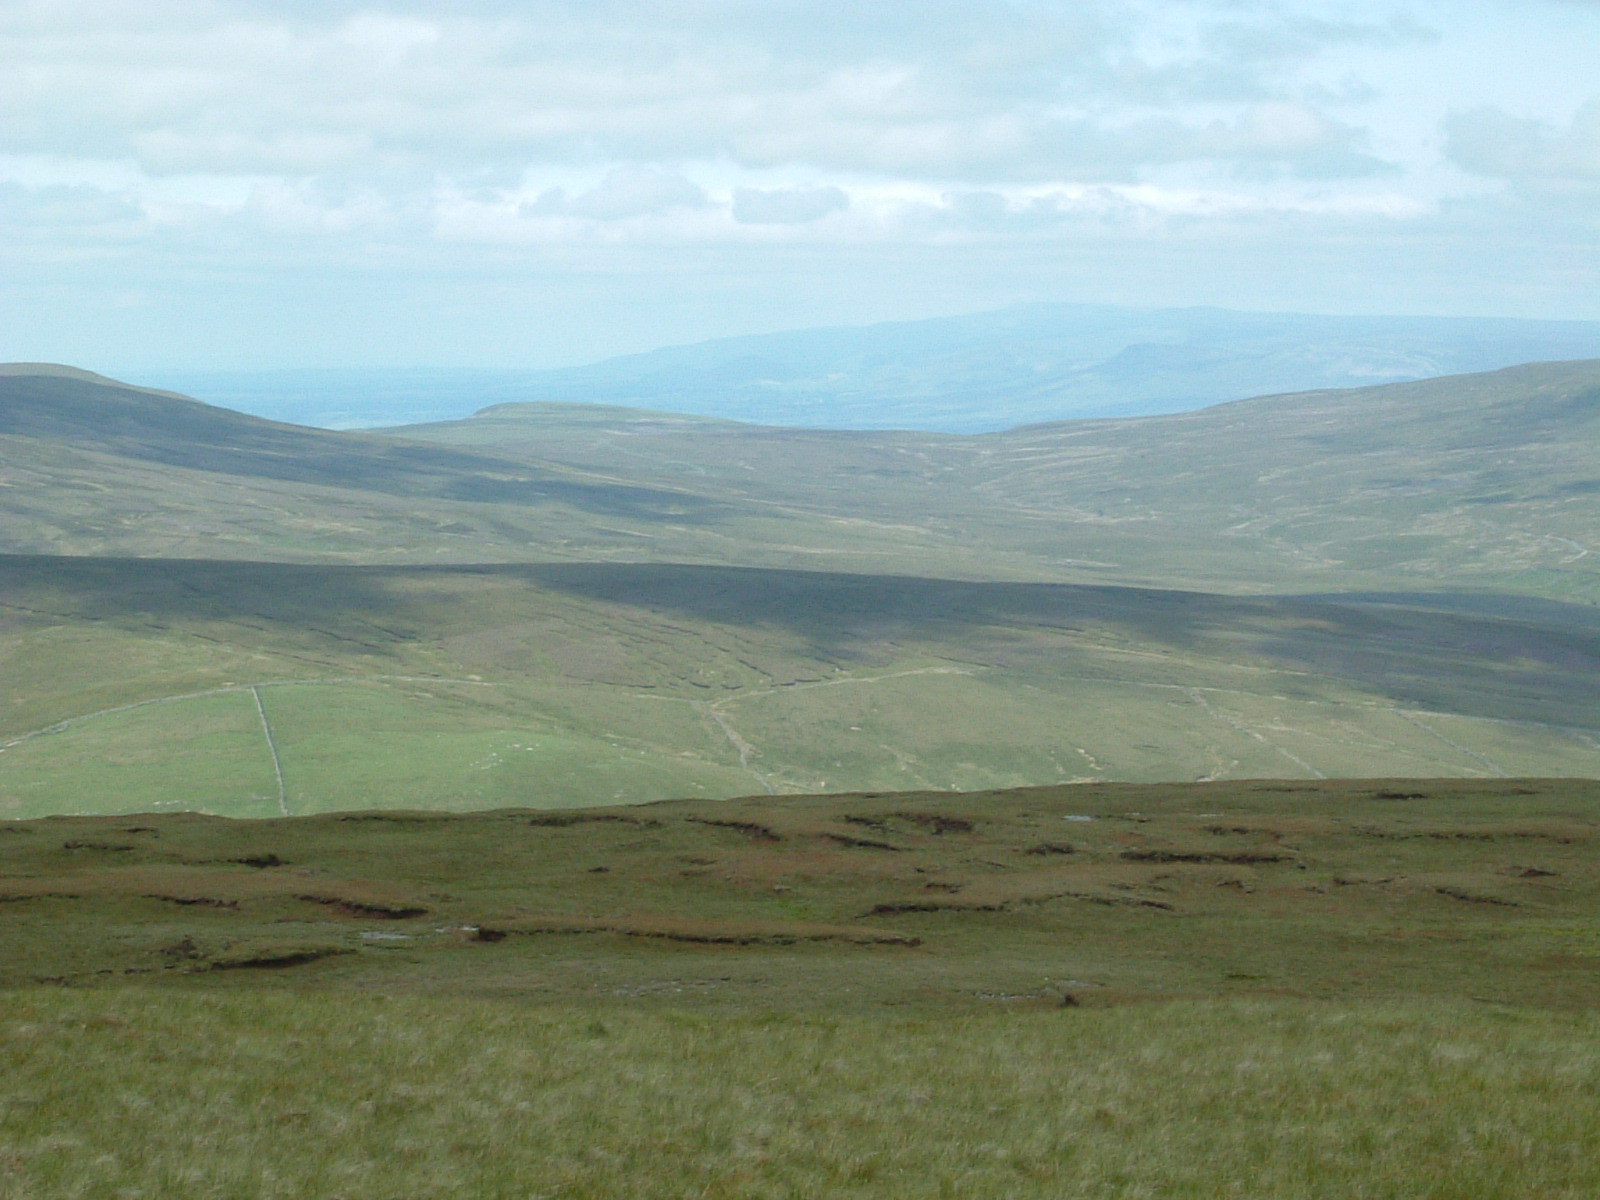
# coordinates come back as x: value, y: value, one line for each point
x: 1266, y: 990
x: 147, y: 685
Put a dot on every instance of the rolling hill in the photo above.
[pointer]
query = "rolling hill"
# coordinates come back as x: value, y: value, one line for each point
x: 559, y: 605
x: 1487, y: 481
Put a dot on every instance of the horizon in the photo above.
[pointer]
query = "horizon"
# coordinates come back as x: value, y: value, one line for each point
x: 399, y: 368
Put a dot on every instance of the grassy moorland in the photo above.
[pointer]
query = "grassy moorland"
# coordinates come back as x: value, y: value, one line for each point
x: 1110, y: 893
x: 1263, y: 990
x: 1255, y: 987
x: 1389, y: 581
x: 196, y: 1097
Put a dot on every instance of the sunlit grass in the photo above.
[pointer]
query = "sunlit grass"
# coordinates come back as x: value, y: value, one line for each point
x: 142, y: 1093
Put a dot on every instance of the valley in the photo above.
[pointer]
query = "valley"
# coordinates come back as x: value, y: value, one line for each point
x: 564, y: 605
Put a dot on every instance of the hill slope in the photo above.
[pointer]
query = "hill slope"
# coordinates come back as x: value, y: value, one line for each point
x: 1480, y: 481
x: 1483, y: 480
x: 260, y: 689
x: 95, y: 466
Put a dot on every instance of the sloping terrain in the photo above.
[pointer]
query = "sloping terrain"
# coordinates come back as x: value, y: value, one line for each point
x: 256, y: 689
x: 92, y: 466
x: 1303, y: 991
x: 1488, y: 481
x: 1393, y: 581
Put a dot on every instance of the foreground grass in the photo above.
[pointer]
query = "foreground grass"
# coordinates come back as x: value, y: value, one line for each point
x: 129, y: 1093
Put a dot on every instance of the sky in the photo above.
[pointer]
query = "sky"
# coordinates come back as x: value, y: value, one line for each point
x: 240, y: 184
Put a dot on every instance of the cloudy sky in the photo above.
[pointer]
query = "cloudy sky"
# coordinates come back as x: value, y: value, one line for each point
x: 238, y: 183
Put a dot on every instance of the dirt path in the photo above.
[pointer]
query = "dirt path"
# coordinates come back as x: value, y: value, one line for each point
x: 1493, y: 766
x: 744, y: 748
x: 1199, y: 698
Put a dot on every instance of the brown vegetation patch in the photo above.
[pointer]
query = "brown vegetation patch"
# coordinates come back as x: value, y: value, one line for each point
x: 991, y: 904
x: 1275, y: 828
x: 562, y: 820
x: 938, y: 823
x: 1052, y: 848
x: 698, y: 930
x: 1094, y: 885
x: 271, y: 955
x: 388, y: 910
x: 259, y: 861
x: 213, y: 888
x: 83, y: 845
x: 194, y: 901
x: 762, y: 833
x: 1238, y: 858
x: 1563, y: 832
x: 844, y: 839
x: 14, y: 890
x: 1471, y: 897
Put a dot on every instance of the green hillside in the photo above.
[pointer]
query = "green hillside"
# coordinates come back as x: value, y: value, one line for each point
x: 1487, y: 481
x: 141, y: 684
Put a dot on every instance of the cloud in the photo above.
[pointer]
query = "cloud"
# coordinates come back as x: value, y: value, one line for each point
x: 88, y: 212
x: 786, y: 206
x: 621, y: 195
x: 960, y: 90
x: 1492, y: 142
x: 546, y: 146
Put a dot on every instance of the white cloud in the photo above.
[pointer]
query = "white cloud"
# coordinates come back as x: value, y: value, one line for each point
x: 1490, y: 141
x: 958, y: 90
x: 88, y: 212
x: 786, y: 206
x: 621, y: 195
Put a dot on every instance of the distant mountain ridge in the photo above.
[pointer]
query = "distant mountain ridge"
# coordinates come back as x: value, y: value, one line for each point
x: 977, y: 373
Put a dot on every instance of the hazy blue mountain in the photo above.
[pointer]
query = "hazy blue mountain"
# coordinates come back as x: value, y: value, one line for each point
x: 975, y: 373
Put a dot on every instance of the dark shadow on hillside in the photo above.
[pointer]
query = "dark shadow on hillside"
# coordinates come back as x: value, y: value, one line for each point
x: 1475, y: 654
x: 186, y: 434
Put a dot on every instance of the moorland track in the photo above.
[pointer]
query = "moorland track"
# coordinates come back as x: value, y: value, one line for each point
x: 1493, y: 766
x: 1196, y: 695
x: 272, y: 749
